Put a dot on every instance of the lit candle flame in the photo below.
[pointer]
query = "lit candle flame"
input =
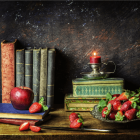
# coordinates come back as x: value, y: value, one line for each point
x: 94, y: 53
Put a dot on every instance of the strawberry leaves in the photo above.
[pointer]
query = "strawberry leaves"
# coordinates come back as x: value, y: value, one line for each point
x: 44, y: 107
x: 103, y: 103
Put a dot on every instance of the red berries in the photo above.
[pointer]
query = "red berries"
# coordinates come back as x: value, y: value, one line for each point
x: 120, y: 107
x: 26, y: 126
x: 76, y: 120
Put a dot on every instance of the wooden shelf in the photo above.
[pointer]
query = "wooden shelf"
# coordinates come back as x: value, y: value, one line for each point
x: 61, y: 118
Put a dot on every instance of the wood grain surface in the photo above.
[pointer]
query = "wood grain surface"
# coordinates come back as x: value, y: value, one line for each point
x: 60, y: 119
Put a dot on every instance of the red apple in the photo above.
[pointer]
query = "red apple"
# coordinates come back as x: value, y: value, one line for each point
x: 21, y: 97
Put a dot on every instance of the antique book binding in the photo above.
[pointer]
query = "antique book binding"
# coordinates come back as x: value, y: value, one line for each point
x: 7, y: 69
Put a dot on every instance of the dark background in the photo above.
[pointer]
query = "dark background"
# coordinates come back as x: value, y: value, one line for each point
x: 76, y: 29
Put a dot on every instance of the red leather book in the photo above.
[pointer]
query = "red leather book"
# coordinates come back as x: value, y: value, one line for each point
x: 20, y: 121
x: 7, y: 69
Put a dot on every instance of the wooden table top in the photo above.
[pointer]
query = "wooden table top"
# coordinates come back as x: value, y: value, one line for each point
x: 60, y: 118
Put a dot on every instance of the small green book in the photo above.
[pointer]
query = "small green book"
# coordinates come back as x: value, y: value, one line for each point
x: 51, y: 75
x: 80, y: 103
x: 36, y: 74
x: 43, y: 74
x: 20, y: 67
x: 97, y: 88
x: 29, y: 68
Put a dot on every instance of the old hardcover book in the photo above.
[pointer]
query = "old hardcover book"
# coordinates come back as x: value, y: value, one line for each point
x: 29, y: 68
x: 36, y: 74
x: 20, y: 67
x: 97, y: 88
x: 43, y: 74
x: 80, y: 103
x: 51, y: 75
x: 8, y: 111
x: 20, y: 121
x: 7, y: 69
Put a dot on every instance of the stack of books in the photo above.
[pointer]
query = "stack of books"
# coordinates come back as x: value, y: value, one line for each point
x: 33, y: 68
x: 87, y: 93
x: 10, y: 115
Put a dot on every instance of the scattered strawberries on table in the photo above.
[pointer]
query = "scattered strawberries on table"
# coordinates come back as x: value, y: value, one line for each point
x: 38, y: 106
x: 26, y: 126
x: 35, y: 128
x: 119, y: 107
x: 76, y: 120
x: 77, y: 123
x: 74, y: 116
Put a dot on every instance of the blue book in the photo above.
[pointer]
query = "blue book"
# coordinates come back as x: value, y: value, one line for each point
x: 8, y: 111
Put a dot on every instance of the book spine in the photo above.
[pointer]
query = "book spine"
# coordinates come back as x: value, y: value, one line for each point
x: 29, y: 68
x: 20, y: 121
x: 43, y: 74
x: 7, y: 69
x: 36, y: 74
x: 17, y: 121
x: 51, y: 75
x: 20, y: 67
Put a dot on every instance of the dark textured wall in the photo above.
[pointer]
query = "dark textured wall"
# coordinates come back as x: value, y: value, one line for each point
x: 76, y: 29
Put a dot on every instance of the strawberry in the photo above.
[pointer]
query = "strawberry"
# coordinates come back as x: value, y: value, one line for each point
x: 111, y: 102
x: 24, y: 126
x: 111, y: 115
x: 117, y: 105
x: 126, y: 106
x: 119, y: 116
x: 130, y: 103
x: 130, y: 114
x: 35, y: 128
x: 74, y: 116
x: 38, y: 106
x: 124, y: 96
x: 106, y: 110
x: 77, y: 123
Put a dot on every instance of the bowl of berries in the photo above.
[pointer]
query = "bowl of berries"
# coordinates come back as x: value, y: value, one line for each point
x: 118, y: 108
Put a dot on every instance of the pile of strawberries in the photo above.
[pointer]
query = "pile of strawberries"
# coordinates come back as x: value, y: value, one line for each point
x: 76, y: 120
x: 120, y: 107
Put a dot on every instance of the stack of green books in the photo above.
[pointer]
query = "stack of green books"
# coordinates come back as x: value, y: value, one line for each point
x: 87, y: 93
x: 35, y: 69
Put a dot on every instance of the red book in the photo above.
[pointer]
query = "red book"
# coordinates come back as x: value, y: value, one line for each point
x: 7, y: 69
x: 20, y: 121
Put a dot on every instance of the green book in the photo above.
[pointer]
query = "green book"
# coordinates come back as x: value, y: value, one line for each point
x: 36, y: 74
x: 51, y: 75
x: 97, y: 88
x: 80, y: 104
x: 20, y: 67
x: 29, y: 68
x: 43, y: 74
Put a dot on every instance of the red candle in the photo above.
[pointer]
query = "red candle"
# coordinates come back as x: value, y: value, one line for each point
x: 95, y: 59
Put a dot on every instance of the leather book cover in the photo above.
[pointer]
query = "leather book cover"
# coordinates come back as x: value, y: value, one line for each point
x: 20, y: 67
x: 29, y: 68
x: 20, y: 121
x: 43, y: 74
x: 7, y: 69
x: 8, y: 111
x: 36, y: 74
x: 51, y: 75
